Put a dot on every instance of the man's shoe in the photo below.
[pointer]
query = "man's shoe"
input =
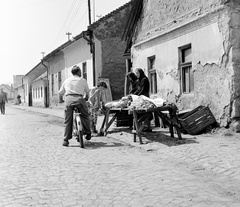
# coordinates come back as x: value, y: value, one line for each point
x: 88, y: 137
x: 65, y: 143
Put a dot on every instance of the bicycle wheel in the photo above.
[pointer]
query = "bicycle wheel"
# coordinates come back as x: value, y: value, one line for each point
x: 80, y: 133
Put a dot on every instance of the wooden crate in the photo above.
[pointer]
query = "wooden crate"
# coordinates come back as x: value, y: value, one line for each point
x: 124, y: 120
x: 197, y: 120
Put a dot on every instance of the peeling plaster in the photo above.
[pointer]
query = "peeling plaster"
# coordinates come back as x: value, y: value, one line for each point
x: 213, y: 29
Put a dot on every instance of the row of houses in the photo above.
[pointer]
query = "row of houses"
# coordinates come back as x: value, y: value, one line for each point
x: 99, y: 53
x: 190, y: 51
x: 8, y: 89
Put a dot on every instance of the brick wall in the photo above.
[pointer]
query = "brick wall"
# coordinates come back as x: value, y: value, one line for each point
x: 109, y: 31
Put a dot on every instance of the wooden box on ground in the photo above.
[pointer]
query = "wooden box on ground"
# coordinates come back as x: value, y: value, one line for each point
x: 124, y: 119
x: 197, y: 120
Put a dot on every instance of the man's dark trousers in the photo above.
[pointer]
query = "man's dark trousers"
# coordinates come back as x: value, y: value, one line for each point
x: 2, y: 106
x: 80, y: 103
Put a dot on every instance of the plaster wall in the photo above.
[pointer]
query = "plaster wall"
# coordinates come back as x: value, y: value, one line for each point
x: 77, y: 54
x: 235, y: 58
x: 212, y: 29
x: 161, y: 15
x: 38, y: 93
x: 212, y: 72
x: 98, y: 58
x: 56, y: 65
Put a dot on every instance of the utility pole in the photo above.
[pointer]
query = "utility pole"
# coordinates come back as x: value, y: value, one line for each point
x: 89, y: 12
x: 92, y: 45
x: 68, y: 34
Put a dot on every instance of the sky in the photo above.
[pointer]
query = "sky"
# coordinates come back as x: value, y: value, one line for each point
x: 32, y: 27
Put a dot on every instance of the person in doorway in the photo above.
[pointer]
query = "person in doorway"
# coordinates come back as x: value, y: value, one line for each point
x: 75, y: 88
x: 134, y: 84
x: 3, y: 100
x: 97, y: 102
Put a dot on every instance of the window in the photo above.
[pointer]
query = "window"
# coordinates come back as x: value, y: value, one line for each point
x: 41, y: 92
x: 186, y: 73
x: 152, y: 75
x: 52, y: 81
x: 59, y: 80
x: 26, y: 90
x: 84, y: 70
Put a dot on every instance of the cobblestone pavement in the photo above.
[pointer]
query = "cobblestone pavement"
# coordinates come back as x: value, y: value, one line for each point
x: 35, y: 170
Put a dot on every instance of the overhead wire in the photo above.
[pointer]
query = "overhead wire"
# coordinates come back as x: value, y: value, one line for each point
x: 69, y: 20
x: 74, y: 15
x: 77, y: 26
x: 64, y: 23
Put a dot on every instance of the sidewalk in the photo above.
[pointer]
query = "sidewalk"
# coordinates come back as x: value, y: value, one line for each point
x: 217, y: 153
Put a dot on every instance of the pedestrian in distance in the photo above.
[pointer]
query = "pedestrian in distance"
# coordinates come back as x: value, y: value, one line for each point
x: 3, y: 100
x: 97, y: 102
x: 75, y: 88
x: 19, y: 100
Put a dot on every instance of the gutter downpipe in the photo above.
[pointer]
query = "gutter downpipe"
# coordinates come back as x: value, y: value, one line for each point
x: 93, y: 56
x: 92, y: 45
x: 23, y: 90
x: 47, y: 101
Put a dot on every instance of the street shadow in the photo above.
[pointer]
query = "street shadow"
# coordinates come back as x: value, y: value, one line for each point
x: 158, y: 135
x: 95, y: 145
x: 166, y: 139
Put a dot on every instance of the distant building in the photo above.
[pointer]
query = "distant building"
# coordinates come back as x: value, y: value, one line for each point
x: 99, y: 53
x: 9, y: 90
x: 18, y: 87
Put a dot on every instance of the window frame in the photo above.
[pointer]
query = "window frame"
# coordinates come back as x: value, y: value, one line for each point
x: 186, y: 85
x: 84, y: 70
x: 59, y: 79
x: 52, y: 81
x: 152, y: 73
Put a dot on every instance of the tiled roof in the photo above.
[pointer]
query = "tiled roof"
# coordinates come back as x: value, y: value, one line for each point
x: 95, y: 24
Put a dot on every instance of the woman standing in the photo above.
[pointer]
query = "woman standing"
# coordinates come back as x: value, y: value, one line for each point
x: 133, y: 82
x: 144, y: 90
x: 143, y: 82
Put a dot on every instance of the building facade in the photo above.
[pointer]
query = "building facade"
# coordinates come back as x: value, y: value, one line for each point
x: 61, y: 61
x: 110, y: 62
x: 190, y: 52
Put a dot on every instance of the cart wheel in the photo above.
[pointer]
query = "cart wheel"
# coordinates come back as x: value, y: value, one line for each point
x: 80, y: 139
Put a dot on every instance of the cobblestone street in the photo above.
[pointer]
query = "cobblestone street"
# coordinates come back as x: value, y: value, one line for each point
x: 36, y: 170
